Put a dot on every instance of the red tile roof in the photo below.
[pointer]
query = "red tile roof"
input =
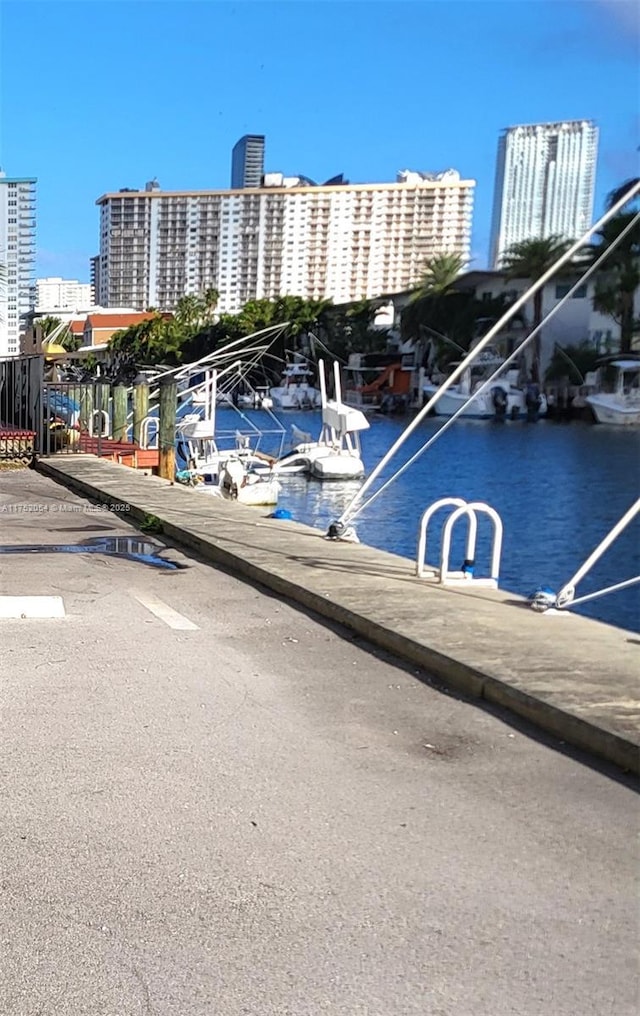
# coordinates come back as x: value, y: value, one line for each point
x: 77, y: 327
x: 118, y: 320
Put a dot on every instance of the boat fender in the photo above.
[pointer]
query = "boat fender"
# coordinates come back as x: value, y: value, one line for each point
x: 543, y: 599
x: 468, y: 567
x: 281, y: 513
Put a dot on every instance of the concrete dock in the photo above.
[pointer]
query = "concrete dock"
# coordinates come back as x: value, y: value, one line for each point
x: 573, y: 678
x: 215, y: 804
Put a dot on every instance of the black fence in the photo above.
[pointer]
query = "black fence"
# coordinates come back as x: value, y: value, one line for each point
x: 78, y: 416
x: 22, y: 419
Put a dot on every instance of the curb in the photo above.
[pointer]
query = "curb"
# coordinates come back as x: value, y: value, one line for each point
x: 453, y: 674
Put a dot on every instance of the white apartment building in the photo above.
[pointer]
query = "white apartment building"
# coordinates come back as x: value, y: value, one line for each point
x: 54, y: 294
x: 545, y: 181
x: 286, y: 238
x: 17, y: 257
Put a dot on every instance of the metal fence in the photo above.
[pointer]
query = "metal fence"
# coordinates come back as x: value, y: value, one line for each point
x: 77, y: 415
x: 22, y: 424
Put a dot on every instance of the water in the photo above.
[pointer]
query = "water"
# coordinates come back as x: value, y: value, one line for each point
x: 131, y: 548
x: 558, y: 488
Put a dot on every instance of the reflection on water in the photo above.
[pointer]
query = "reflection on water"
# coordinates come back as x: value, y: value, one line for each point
x: 558, y: 488
x: 131, y: 547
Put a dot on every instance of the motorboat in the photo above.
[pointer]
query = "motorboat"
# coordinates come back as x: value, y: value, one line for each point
x: 237, y: 483
x: 240, y: 473
x: 295, y: 390
x: 336, y: 455
x: 621, y: 404
x: 256, y: 398
x: 503, y: 399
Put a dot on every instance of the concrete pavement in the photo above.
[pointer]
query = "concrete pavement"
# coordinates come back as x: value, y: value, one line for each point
x: 261, y: 816
x: 575, y: 678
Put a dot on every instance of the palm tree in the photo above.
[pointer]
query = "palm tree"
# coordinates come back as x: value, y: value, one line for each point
x: 439, y: 274
x: 530, y: 259
x: 619, y: 280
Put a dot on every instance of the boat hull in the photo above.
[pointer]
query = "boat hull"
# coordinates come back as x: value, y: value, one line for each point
x: 482, y: 406
x: 263, y: 493
x: 337, y: 467
x: 606, y: 411
x: 295, y: 397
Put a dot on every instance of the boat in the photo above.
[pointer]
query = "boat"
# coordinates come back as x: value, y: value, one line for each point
x: 621, y: 404
x: 504, y: 399
x: 240, y: 473
x: 256, y: 398
x: 295, y: 390
x: 337, y: 454
x: 377, y: 389
x: 237, y: 483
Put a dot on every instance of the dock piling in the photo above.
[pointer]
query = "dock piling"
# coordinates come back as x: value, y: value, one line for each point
x: 167, y: 429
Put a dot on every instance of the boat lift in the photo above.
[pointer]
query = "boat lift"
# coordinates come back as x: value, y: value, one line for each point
x: 466, y: 575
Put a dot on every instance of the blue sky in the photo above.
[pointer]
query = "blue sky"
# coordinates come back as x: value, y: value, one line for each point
x: 97, y: 96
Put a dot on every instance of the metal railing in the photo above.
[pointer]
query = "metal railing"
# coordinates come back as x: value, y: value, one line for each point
x: 77, y: 416
x: 21, y: 415
x: 458, y: 508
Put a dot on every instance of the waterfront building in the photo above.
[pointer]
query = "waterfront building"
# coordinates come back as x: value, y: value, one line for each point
x: 247, y: 161
x: 337, y: 241
x: 17, y: 258
x: 94, y: 277
x: 54, y: 294
x: 97, y: 331
x: 545, y: 182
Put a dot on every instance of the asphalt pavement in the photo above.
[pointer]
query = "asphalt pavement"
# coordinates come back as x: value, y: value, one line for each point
x: 214, y: 805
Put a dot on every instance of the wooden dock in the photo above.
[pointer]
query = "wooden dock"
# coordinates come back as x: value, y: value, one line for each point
x: 124, y: 453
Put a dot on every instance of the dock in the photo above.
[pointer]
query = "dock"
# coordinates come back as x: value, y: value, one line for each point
x: 124, y: 453
x: 573, y: 678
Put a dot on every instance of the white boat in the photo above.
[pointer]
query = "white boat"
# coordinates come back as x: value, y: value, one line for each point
x: 337, y: 454
x: 505, y: 399
x: 237, y: 473
x: 257, y: 398
x: 295, y: 390
x: 621, y: 406
x: 199, y: 397
x: 236, y: 483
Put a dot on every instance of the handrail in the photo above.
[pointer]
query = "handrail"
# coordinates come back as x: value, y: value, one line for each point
x: 421, y: 556
x: 145, y: 423
x: 106, y: 423
x: 471, y: 510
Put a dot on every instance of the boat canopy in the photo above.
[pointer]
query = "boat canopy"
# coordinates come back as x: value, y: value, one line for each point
x: 343, y: 419
x: 626, y: 364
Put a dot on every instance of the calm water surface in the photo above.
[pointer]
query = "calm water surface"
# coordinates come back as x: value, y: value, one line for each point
x: 558, y: 488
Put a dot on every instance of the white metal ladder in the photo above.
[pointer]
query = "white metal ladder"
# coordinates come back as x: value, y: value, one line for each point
x: 459, y: 508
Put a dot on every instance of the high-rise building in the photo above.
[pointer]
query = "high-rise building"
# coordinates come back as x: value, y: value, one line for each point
x: 545, y: 181
x: 287, y: 238
x: 94, y: 277
x: 247, y: 161
x: 62, y: 294
x: 17, y: 257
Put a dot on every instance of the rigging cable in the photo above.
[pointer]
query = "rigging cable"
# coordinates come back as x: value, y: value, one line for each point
x: 350, y: 511
x: 500, y: 370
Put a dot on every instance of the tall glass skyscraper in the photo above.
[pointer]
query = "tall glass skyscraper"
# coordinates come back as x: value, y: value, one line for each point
x: 247, y: 162
x: 545, y: 182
